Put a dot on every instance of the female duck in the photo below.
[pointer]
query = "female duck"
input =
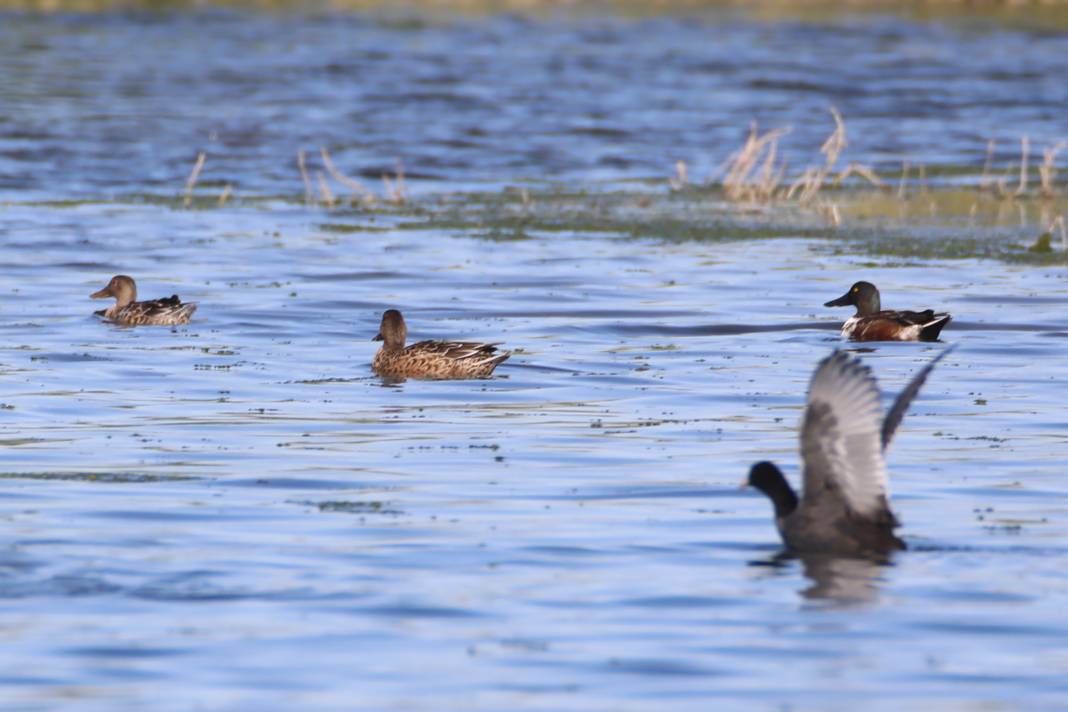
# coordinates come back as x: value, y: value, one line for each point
x: 127, y: 311
x: 870, y: 323
x: 430, y: 359
x: 843, y: 508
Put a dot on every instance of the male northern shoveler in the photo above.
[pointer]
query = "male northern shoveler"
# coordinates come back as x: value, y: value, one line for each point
x: 871, y: 323
x: 843, y: 509
x: 435, y: 360
x: 127, y: 311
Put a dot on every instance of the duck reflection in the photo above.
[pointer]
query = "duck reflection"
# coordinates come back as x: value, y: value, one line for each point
x: 835, y: 579
x: 844, y: 580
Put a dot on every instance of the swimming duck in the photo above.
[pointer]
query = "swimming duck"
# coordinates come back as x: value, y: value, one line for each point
x: 436, y: 360
x: 127, y: 311
x: 870, y: 323
x: 843, y: 509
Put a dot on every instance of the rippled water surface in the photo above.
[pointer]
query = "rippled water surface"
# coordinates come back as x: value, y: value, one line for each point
x: 236, y: 514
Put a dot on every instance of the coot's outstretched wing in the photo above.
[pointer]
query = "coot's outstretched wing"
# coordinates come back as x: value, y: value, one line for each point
x: 840, y: 436
x: 897, y: 411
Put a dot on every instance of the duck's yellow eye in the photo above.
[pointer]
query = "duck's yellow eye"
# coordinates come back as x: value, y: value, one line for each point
x: 856, y: 289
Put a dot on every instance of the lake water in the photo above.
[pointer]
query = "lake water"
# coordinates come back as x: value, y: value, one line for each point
x: 236, y: 514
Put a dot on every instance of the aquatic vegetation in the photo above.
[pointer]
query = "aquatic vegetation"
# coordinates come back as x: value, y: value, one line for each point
x: 1045, y: 13
x: 755, y: 178
x: 921, y: 210
x: 97, y: 477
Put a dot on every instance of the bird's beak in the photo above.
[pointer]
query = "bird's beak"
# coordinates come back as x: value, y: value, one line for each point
x: 105, y: 292
x: 842, y: 301
x: 378, y: 337
x: 744, y: 484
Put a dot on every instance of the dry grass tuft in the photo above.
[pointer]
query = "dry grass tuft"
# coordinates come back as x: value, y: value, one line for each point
x: 753, y: 172
x: 1058, y: 226
x: 681, y: 178
x: 984, y: 179
x: 864, y: 172
x: 754, y: 175
x: 194, y: 175
x: 324, y: 189
x: 1047, y: 172
x: 360, y: 193
x: 304, y: 177
x: 1025, y: 149
x: 834, y: 145
x: 396, y: 190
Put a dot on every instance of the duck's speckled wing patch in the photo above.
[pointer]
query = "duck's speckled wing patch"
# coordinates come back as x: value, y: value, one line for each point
x: 841, y: 444
x: 440, y: 360
x: 169, y: 311
x: 456, y: 350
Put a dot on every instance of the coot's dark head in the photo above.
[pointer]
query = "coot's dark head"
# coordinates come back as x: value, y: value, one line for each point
x: 767, y: 478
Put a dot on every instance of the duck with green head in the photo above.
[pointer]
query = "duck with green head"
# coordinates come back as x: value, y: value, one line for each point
x: 873, y: 323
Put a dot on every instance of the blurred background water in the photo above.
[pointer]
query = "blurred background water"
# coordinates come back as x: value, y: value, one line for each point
x: 118, y: 104
x: 237, y: 515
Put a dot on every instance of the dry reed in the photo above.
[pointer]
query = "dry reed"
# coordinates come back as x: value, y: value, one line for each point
x: 755, y: 173
x: 681, y: 178
x: 396, y: 190
x: 813, y: 179
x: 862, y: 171
x: 752, y: 174
x: 984, y: 179
x: 1058, y: 225
x: 361, y: 193
x: 1025, y: 147
x: 194, y: 175
x: 1047, y: 172
x: 304, y: 177
x: 324, y: 189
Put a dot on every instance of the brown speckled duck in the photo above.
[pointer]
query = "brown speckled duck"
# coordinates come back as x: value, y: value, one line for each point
x: 844, y: 508
x: 127, y: 311
x: 430, y: 359
x: 872, y: 323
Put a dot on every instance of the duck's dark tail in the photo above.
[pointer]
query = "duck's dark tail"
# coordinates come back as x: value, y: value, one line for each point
x: 932, y: 329
x: 498, y: 359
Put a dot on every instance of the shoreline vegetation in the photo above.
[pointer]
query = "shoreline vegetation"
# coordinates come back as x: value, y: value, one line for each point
x: 1013, y: 206
x: 756, y: 177
x: 1039, y: 14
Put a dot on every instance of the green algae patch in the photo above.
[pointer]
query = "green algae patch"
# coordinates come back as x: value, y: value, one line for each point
x: 102, y: 477
x: 938, y: 221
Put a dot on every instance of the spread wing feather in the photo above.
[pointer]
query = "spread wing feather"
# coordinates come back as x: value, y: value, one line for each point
x: 840, y: 435
x: 901, y: 404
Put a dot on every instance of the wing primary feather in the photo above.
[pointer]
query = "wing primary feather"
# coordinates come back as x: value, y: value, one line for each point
x: 840, y: 443
x: 904, y: 399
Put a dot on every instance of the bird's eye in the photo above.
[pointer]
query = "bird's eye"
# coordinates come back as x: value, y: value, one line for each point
x: 856, y: 289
